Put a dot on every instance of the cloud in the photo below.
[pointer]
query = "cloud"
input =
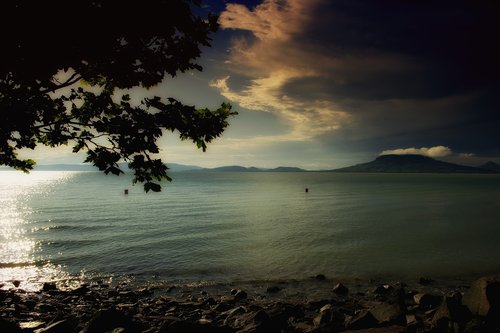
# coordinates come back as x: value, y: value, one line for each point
x: 273, y: 59
x: 437, y: 151
x: 306, y: 120
x: 382, y: 73
x: 272, y: 20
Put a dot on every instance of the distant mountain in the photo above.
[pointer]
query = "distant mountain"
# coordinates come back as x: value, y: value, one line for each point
x: 233, y: 168
x: 286, y: 169
x: 237, y: 168
x: 175, y: 167
x: 65, y: 167
x: 492, y: 166
x: 410, y: 164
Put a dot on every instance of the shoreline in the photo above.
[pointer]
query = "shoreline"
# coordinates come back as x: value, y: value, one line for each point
x: 266, y: 306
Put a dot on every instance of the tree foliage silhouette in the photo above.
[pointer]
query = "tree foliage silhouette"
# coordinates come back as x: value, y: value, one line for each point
x: 66, y: 65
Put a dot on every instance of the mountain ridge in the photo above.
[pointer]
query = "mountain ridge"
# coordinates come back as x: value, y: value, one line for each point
x: 384, y: 163
x: 411, y: 164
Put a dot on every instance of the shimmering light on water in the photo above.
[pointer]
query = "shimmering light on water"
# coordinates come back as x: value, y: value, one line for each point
x: 18, y: 252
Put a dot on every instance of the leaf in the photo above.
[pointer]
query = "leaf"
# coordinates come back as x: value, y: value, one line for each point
x: 152, y: 186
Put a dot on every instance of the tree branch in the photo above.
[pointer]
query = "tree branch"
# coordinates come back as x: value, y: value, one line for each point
x: 70, y: 81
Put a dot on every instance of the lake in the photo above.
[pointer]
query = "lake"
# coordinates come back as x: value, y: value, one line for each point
x: 218, y: 227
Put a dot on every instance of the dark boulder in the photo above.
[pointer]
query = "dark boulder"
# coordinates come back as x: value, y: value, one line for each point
x: 340, y: 289
x: 483, y: 296
x: 9, y: 327
x: 108, y: 320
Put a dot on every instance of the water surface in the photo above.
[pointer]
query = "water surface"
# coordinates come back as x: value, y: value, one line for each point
x: 222, y: 227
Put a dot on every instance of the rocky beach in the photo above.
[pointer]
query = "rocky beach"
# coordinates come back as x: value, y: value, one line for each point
x: 362, y: 306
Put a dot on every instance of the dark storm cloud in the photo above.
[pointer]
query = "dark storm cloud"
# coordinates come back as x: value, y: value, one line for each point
x: 437, y: 48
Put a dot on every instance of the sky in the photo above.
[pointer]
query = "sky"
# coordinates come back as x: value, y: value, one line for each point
x: 322, y: 84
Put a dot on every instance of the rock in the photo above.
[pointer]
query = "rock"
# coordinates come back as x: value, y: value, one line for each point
x: 16, y: 283
x: 387, y: 313
x: 81, y: 290
x: 427, y: 301
x: 450, y: 314
x: 425, y: 281
x: 9, y: 327
x: 107, y: 320
x: 340, y: 289
x: 329, y: 318
x: 227, y: 298
x: 258, y: 319
x: 411, y: 319
x: 483, y: 295
x: 383, y: 289
x: 232, y: 315
x: 273, y: 289
x: 48, y: 286
x: 31, y: 325
x: 61, y: 326
x: 256, y: 322
x: 280, y: 314
x: 118, y: 330
x: 240, y: 294
x: 185, y: 326
x: 320, y: 277
x: 208, y: 302
x: 363, y: 320
x: 389, y: 329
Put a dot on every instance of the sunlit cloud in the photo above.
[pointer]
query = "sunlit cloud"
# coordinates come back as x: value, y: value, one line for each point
x: 271, y: 20
x: 271, y: 61
x: 437, y: 151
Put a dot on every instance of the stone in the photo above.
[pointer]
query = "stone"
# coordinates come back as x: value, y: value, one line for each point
x: 386, y: 313
x: 340, y: 289
x: 427, y: 301
x: 240, y: 295
x: 329, y: 317
x: 185, y: 326
x: 273, y: 289
x: 388, y: 329
x: 425, y: 281
x: 483, y: 295
x: 320, y: 277
x: 363, y: 320
x: 48, y: 286
x: 61, y: 326
x: 107, y: 320
x: 383, y: 289
x: 9, y: 327
x: 31, y: 325
x: 451, y: 316
x: 281, y: 313
x: 233, y: 315
x: 256, y: 319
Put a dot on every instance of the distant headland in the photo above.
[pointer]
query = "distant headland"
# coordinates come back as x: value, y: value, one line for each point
x: 417, y: 164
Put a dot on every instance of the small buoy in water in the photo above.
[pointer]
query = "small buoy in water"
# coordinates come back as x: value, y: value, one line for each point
x: 307, y: 190
x: 125, y: 191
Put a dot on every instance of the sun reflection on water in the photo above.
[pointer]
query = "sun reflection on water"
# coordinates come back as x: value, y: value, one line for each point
x: 19, y: 261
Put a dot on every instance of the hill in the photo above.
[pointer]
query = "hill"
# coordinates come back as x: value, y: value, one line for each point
x: 233, y: 168
x: 65, y: 167
x: 411, y: 164
x: 236, y: 168
x: 492, y: 166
